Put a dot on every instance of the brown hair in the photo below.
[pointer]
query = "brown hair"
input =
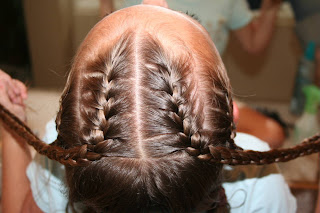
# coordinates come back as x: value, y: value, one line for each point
x: 142, y: 134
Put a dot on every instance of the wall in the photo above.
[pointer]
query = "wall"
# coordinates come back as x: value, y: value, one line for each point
x: 55, y: 29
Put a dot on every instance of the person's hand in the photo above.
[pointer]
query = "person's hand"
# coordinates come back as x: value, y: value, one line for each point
x: 13, y: 93
x: 161, y: 3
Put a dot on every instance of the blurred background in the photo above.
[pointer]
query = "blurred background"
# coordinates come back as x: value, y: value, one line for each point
x: 39, y: 38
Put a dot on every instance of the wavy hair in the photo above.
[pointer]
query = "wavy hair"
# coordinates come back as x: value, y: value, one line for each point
x: 138, y: 132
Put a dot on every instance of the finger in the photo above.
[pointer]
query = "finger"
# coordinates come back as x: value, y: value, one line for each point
x: 17, y: 100
x: 17, y: 109
x: 9, y: 87
x: 10, y: 90
x: 16, y: 91
x: 15, y: 87
x: 22, y: 89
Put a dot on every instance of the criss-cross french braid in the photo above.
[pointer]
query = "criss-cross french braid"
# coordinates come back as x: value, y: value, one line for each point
x: 172, y: 94
x: 100, y: 103
x: 103, y: 96
x: 97, y: 114
x: 82, y: 155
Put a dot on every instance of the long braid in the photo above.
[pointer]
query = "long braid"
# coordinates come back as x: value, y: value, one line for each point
x: 79, y: 156
x: 244, y: 157
x: 223, y: 155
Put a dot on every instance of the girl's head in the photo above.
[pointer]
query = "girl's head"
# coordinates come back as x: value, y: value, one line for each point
x: 146, y: 96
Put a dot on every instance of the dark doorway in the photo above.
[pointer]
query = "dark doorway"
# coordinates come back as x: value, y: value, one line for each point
x: 14, y: 54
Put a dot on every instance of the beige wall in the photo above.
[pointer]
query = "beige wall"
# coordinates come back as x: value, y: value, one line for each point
x: 55, y: 29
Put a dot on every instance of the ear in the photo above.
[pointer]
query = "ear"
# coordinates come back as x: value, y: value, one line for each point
x: 161, y: 3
